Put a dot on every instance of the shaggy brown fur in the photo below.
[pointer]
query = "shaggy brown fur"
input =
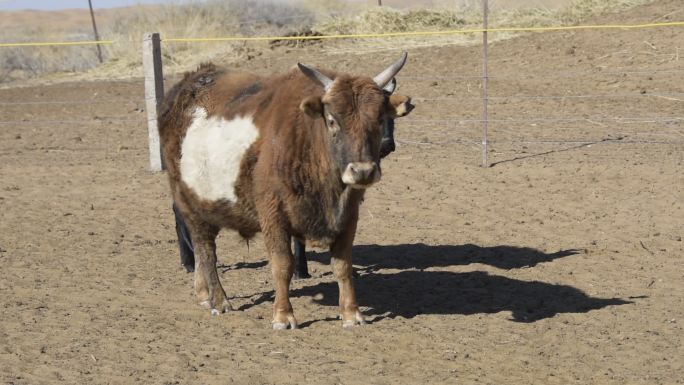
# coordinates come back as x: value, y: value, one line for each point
x: 289, y: 183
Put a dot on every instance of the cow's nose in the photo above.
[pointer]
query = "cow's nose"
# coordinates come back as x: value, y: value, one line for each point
x: 361, y: 174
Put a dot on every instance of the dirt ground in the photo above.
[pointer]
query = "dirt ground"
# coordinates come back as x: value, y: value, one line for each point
x: 560, y: 264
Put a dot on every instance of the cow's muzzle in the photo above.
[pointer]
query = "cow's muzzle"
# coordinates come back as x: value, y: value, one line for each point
x: 361, y: 174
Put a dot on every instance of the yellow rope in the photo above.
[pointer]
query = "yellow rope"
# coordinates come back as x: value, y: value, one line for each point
x: 366, y: 35
x: 56, y: 43
x: 425, y: 33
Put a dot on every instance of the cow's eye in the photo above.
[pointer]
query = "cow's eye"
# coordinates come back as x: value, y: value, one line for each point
x: 333, y: 126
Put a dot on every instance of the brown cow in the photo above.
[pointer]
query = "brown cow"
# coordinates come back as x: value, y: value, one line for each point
x: 399, y: 106
x: 288, y: 155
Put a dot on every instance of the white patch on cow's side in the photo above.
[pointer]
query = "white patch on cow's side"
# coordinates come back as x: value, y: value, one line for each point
x: 211, y: 154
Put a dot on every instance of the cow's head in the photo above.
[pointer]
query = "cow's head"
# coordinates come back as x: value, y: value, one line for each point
x: 398, y: 106
x: 354, y: 109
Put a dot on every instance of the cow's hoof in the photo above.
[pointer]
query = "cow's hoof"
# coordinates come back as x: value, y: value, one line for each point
x: 280, y: 326
x: 291, y: 322
x: 357, y: 320
x: 301, y: 275
x: 284, y: 326
x: 217, y: 310
x: 189, y: 268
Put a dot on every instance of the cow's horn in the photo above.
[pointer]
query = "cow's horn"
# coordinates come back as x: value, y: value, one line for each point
x: 316, y: 76
x: 391, y: 86
x: 385, y: 76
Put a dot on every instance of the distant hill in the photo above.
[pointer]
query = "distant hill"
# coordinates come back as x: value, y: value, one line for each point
x: 70, y: 19
x: 126, y: 25
x: 502, y: 4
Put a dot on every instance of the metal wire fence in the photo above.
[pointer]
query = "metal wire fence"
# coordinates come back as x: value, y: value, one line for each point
x: 446, y: 129
x: 656, y: 125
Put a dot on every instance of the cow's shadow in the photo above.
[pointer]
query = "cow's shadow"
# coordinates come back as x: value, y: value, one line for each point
x: 410, y: 293
x: 241, y: 265
x: 415, y: 290
x: 421, y: 256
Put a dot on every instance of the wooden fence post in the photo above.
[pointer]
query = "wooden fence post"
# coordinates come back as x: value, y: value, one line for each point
x: 154, y: 93
x: 97, y: 35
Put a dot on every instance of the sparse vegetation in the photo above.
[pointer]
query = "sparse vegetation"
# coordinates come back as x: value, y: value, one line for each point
x: 20, y: 62
x: 208, y: 19
x: 385, y: 19
x: 255, y: 17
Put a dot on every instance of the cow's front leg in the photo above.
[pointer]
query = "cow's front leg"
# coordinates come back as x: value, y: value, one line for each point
x: 341, y: 252
x: 282, y: 267
x: 207, y: 284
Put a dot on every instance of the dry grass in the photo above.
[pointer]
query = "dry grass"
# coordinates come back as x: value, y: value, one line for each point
x: 468, y: 16
x: 208, y: 19
x: 253, y: 18
x: 123, y: 58
x: 30, y: 62
x: 385, y: 19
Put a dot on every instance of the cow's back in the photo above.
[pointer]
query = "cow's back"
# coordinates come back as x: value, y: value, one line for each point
x: 210, y: 86
x: 220, y: 129
x: 208, y: 142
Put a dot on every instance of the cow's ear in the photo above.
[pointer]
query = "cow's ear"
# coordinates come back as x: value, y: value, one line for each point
x: 312, y: 106
x: 399, y: 105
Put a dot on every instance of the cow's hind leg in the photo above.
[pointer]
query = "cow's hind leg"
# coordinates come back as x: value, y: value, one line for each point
x: 207, y: 284
x: 301, y: 267
x: 187, y: 255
